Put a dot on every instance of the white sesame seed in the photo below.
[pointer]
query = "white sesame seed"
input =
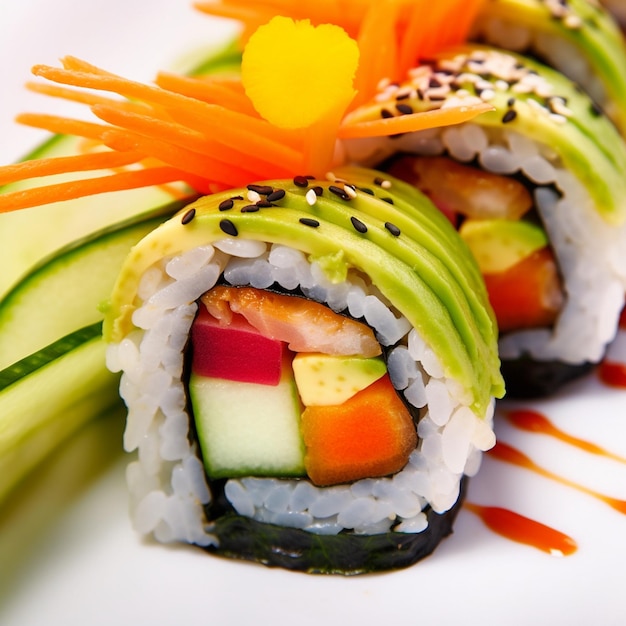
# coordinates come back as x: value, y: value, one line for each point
x: 253, y: 196
x: 487, y: 95
x: 573, y: 21
x: 350, y: 190
x: 559, y: 119
x: 311, y: 197
x: 558, y: 106
x: 435, y: 93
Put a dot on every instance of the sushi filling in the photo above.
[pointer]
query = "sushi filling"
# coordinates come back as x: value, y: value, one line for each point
x: 170, y: 491
x: 592, y: 280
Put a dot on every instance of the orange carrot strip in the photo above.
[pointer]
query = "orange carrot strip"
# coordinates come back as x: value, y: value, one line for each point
x: 189, y: 139
x: 378, y: 49
x: 62, y: 125
x: 60, y: 165
x: 184, y: 160
x: 414, y: 122
x: 257, y: 135
x: 27, y: 198
x: 226, y: 93
x: 74, y: 95
x: 225, y: 126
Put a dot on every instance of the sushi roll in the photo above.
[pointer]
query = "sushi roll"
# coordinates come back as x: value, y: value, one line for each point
x: 578, y: 38
x: 536, y: 188
x: 310, y: 368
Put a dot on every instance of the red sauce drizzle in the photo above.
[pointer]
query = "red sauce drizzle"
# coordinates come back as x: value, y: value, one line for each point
x: 504, y: 452
x: 524, y: 530
x: 613, y: 373
x: 534, y: 421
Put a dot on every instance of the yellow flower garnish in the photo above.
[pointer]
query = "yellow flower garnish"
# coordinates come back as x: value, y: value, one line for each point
x: 297, y: 74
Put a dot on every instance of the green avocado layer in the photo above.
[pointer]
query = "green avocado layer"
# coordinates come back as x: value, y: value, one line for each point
x: 528, y: 98
x: 388, y: 231
x: 587, y: 27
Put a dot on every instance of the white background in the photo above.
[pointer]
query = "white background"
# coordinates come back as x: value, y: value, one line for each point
x: 76, y: 561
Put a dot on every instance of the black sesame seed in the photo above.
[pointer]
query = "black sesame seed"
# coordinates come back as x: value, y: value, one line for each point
x: 300, y: 181
x: 276, y: 195
x: 595, y: 109
x: 509, y: 116
x: 308, y: 221
x: 229, y: 228
x: 236, y: 197
x: 359, y: 226
x: 393, y: 229
x: 379, y: 181
x: 387, y: 200
x: 367, y: 190
x: 386, y: 114
x: 188, y: 216
x: 263, y: 204
x: 433, y: 83
x: 510, y: 102
x: 318, y: 190
x: 338, y: 191
x: 404, y: 109
x: 262, y: 190
x: 250, y: 208
x: 226, y: 205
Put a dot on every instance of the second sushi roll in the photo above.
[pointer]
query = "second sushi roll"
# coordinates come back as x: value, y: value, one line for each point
x: 536, y: 188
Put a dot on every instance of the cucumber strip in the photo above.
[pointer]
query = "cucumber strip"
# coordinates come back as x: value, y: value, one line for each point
x: 44, y: 496
x: 41, y: 410
x: 63, y: 292
x: 41, y: 358
x: 30, y: 235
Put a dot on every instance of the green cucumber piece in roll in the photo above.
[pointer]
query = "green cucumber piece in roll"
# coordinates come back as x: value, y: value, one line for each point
x: 544, y: 140
x: 299, y: 268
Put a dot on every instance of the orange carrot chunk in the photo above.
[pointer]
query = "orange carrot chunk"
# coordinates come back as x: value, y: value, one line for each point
x: 371, y: 434
x: 528, y: 294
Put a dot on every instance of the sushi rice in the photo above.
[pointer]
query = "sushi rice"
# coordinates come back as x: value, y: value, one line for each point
x: 167, y: 481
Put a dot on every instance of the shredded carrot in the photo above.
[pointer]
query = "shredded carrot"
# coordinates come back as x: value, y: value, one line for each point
x: 59, y: 165
x: 61, y: 125
x: 80, y: 97
x: 227, y: 93
x: 413, y: 123
x: 218, y: 132
x: 92, y: 186
x: 181, y: 136
x: 181, y: 159
x: 378, y: 47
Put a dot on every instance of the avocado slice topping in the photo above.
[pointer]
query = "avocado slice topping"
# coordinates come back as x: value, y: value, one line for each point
x: 390, y: 232
x: 528, y: 98
x: 584, y: 29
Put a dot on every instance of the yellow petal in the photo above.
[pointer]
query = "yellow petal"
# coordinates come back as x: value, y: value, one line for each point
x: 297, y: 74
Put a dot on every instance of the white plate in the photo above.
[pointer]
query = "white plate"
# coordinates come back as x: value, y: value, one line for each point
x: 84, y: 565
